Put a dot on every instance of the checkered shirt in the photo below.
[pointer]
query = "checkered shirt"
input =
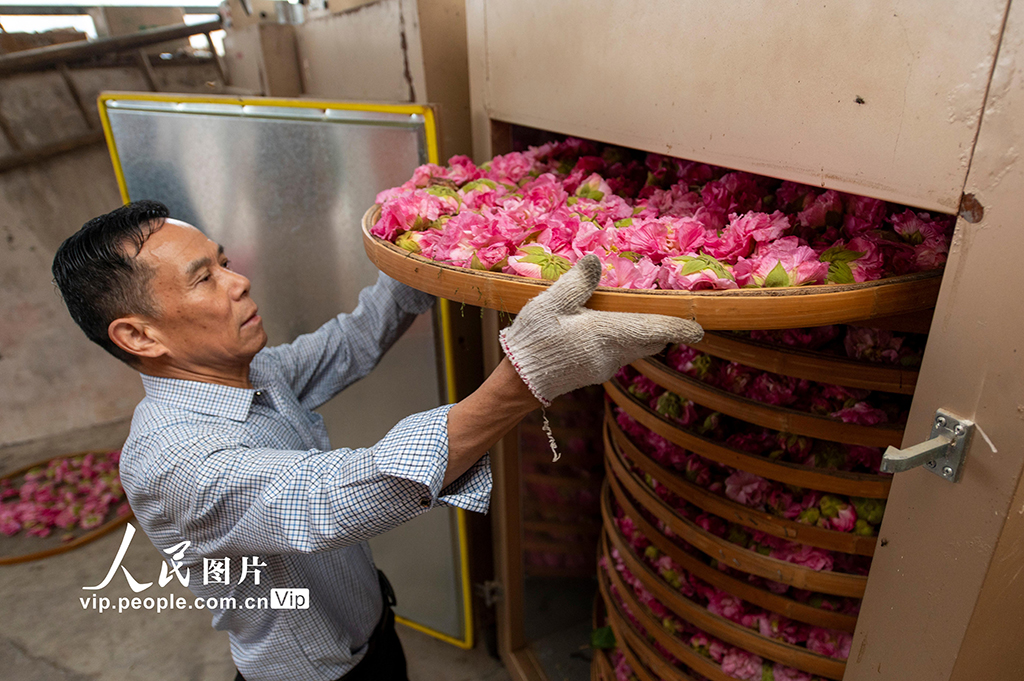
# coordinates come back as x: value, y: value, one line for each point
x: 251, y: 473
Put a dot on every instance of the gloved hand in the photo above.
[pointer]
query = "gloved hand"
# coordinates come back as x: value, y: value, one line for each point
x: 557, y: 345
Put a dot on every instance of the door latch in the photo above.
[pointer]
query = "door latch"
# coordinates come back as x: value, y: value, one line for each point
x: 942, y: 454
x: 490, y: 591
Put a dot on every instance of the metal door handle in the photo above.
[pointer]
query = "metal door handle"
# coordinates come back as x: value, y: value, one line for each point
x: 943, y: 454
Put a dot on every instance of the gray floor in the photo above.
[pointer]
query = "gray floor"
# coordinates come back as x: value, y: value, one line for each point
x: 557, y: 619
x: 46, y: 635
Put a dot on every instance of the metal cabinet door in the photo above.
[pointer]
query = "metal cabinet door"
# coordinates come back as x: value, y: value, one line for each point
x: 282, y: 184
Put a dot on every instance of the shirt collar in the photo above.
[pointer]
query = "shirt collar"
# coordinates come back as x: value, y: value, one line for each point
x: 212, y: 399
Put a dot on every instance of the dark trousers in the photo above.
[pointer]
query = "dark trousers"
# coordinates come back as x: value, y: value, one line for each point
x: 384, y: 659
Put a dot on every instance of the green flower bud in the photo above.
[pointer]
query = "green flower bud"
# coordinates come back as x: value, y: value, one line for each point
x: 863, y: 528
x: 669, y: 405
x: 809, y: 516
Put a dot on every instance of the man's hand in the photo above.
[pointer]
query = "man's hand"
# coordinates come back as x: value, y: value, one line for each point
x: 557, y: 345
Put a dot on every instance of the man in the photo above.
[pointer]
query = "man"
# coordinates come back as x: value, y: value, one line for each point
x: 226, y: 453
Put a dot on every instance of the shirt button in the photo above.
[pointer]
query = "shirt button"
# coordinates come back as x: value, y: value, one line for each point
x: 259, y: 393
x: 425, y: 502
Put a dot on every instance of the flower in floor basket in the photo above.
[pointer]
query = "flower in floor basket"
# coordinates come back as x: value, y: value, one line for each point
x: 783, y: 262
x: 740, y: 664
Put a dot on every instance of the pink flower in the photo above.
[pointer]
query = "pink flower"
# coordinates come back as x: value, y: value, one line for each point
x: 916, y: 228
x: 545, y: 193
x: 461, y: 170
x: 868, y: 457
x: 725, y: 605
x: 538, y: 262
x: 826, y: 209
x: 861, y: 413
x: 746, y: 488
x: 845, y: 519
x: 793, y: 196
x: 740, y: 664
x: 784, y: 262
x: 859, y: 260
x: 803, y: 554
x: 829, y: 642
x: 778, y: 627
x: 873, y: 345
x: 695, y: 273
x: 773, y: 389
x: 782, y: 673
x: 508, y: 168
x: 743, y: 232
x: 413, y: 211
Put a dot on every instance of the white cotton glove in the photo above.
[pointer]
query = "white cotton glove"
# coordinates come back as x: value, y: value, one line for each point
x: 557, y: 345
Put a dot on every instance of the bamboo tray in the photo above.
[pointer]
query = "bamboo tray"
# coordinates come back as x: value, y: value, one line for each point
x: 813, y: 366
x: 793, y: 609
x: 639, y: 652
x: 51, y: 549
x: 836, y: 482
x: 625, y: 484
x: 727, y: 509
x: 766, y: 415
x: 714, y: 625
x: 747, y: 309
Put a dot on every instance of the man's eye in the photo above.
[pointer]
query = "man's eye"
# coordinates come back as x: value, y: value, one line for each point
x: 226, y: 264
x: 205, y: 278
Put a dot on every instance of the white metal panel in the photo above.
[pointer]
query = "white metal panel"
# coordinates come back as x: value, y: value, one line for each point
x: 762, y: 86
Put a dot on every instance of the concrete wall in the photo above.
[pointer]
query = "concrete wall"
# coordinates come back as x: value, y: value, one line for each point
x: 59, y: 392
x: 55, y: 385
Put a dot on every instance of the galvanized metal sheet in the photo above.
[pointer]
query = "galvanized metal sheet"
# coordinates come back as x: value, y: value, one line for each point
x: 283, y: 189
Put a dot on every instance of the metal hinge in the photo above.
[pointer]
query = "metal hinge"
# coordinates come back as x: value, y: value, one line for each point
x: 943, y: 454
x: 490, y: 591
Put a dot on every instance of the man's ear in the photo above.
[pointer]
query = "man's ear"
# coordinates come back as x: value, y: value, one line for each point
x: 135, y: 336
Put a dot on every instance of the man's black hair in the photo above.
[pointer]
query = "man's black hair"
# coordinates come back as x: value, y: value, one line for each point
x: 99, y: 276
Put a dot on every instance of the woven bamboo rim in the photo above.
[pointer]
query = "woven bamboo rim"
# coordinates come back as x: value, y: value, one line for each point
x: 787, y: 607
x: 91, y: 535
x: 732, y: 511
x: 635, y: 642
x: 836, y: 482
x: 720, y: 627
x: 813, y: 366
x: 766, y: 415
x: 839, y: 584
x: 601, y: 667
x: 777, y: 308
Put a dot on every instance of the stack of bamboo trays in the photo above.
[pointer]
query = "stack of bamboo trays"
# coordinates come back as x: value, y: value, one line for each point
x: 628, y: 491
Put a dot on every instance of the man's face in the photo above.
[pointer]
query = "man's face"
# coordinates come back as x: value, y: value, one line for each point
x: 206, y: 319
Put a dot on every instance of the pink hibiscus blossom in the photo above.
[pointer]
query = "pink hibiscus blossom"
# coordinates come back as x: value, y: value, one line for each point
x: 746, y: 488
x: 740, y: 664
x: 695, y: 273
x: 782, y: 263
